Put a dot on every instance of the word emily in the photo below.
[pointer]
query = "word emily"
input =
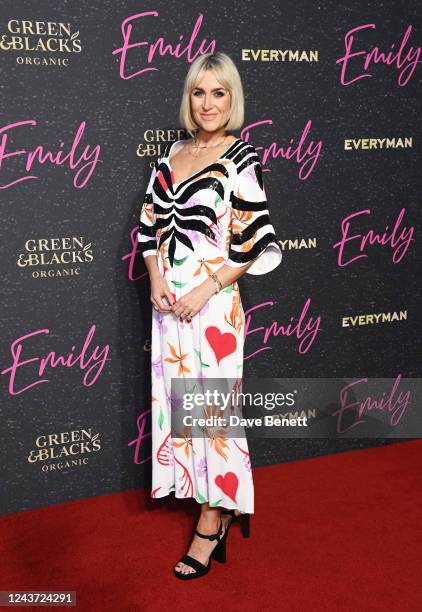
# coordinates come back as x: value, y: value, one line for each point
x: 395, y: 404
x: 159, y: 47
x: 97, y: 358
x: 305, y: 153
x: 85, y: 160
x: 406, y: 62
x: 397, y: 240
x: 303, y: 330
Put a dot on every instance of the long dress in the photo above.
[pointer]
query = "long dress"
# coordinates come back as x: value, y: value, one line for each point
x: 216, y: 216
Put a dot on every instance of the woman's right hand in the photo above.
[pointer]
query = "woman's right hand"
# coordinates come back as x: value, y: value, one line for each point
x: 160, y: 290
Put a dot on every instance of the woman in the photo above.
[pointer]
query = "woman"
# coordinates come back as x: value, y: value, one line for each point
x: 203, y: 224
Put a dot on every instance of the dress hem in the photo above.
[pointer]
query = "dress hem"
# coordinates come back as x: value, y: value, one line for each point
x: 226, y: 506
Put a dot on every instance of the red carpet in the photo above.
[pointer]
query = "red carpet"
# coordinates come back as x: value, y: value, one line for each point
x: 340, y: 532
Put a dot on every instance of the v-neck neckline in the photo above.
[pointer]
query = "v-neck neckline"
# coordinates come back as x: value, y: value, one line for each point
x: 174, y: 184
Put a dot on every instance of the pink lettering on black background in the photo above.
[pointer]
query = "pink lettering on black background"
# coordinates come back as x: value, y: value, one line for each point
x: 84, y: 160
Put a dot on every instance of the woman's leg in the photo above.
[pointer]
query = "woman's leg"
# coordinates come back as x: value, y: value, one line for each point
x: 201, y: 548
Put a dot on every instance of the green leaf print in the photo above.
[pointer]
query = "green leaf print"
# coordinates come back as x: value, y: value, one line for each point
x: 203, y: 365
x: 178, y: 284
x: 217, y: 199
x: 216, y: 503
x: 179, y: 262
x: 201, y: 498
x: 161, y: 418
x: 228, y: 289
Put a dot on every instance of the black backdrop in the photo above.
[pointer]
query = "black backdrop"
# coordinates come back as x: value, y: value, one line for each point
x: 71, y: 273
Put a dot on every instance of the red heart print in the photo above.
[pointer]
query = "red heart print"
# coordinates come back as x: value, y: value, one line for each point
x: 228, y: 484
x: 221, y: 344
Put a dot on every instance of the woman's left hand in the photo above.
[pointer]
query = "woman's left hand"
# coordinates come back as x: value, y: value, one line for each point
x: 189, y: 304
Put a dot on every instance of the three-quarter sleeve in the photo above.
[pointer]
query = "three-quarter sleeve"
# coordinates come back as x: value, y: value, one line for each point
x: 252, y: 235
x: 146, y: 225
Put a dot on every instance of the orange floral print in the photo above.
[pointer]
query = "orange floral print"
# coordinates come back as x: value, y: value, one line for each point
x: 216, y: 437
x: 205, y: 263
x: 177, y: 359
x: 186, y: 442
x: 147, y: 210
x: 236, y: 314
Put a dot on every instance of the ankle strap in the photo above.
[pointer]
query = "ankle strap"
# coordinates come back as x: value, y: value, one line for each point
x: 214, y: 536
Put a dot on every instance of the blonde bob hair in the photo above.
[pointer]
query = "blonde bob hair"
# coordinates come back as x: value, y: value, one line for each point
x: 227, y: 74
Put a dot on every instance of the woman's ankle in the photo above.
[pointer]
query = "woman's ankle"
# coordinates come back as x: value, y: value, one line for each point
x: 209, y: 524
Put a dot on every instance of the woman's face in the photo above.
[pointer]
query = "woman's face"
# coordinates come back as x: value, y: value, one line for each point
x: 210, y: 103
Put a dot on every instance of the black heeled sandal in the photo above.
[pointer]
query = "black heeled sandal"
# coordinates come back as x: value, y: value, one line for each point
x: 218, y: 554
x: 243, y: 519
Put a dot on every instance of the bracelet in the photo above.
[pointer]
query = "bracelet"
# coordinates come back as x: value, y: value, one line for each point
x: 217, y: 282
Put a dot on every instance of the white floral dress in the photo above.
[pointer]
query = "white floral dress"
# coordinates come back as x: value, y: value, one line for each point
x: 215, y: 216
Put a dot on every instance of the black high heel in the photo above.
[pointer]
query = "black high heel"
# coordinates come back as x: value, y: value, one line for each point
x: 219, y: 554
x: 245, y: 524
x: 243, y: 519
